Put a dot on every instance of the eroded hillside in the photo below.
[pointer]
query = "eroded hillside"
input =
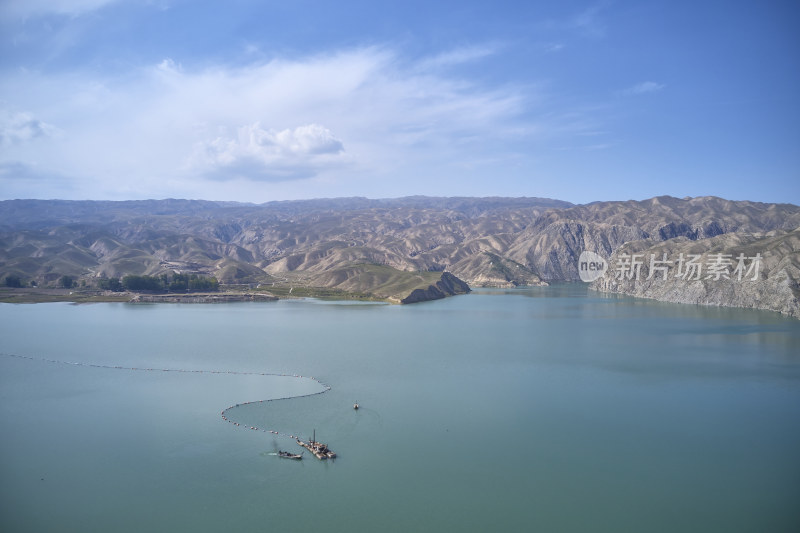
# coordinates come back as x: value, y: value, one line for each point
x: 343, y: 244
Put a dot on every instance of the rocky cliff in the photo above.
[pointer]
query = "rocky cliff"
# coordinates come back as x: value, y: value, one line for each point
x: 739, y: 270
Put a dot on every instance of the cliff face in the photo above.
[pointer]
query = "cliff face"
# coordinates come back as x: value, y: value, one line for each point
x: 554, y: 249
x: 736, y: 270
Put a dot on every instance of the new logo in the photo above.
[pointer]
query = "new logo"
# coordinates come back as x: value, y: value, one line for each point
x: 591, y: 266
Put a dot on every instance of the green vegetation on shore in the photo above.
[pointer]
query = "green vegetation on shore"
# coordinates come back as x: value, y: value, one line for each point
x: 178, y: 283
x: 323, y: 293
x: 51, y: 295
x: 362, y: 282
x: 31, y: 295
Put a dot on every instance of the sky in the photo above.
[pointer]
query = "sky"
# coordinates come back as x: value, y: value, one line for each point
x: 256, y: 101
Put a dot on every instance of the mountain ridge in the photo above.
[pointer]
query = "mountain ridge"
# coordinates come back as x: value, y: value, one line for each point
x: 494, y: 241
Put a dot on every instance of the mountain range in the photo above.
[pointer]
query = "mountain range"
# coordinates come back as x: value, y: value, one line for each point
x: 385, y: 248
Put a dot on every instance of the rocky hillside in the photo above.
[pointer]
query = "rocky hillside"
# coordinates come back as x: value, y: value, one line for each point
x: 378, y: 247
x: 733, y: 269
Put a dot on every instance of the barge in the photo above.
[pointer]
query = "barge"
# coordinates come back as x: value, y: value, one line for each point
x: 320, y: 450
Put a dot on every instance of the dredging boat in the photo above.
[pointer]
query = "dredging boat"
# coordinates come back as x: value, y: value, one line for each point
x: 289, y: 455
x: 320, y: 450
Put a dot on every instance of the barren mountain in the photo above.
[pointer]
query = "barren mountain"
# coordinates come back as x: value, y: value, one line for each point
x: 340, y: 243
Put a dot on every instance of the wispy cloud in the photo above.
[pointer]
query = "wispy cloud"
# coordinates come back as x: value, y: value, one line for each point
x: 357, y: 114
x: 590, y: 21
x: 457, y: 56
x: 19, y: 127
x: 24, y: 9
x: 553, y: 47
x: 644, y: 87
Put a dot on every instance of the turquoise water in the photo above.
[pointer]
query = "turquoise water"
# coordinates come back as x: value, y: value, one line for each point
x: 548, y: 409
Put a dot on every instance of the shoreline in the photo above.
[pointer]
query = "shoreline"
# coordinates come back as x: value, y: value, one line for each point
x: 34, y: 295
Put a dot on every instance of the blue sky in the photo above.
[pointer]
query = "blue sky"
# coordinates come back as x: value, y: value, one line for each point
x: 258, y: 101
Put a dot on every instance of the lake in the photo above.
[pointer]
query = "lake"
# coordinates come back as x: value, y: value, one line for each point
x: 540, y: 409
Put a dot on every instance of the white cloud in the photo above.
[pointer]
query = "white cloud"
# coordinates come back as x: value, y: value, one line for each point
x: 268, y: 155
x: 168, y: 66
x: 18, y: 127
x: 341, y: 120
x: 644, y: 88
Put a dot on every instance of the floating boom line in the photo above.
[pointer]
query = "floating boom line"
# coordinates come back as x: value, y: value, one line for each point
x: 325, y: 387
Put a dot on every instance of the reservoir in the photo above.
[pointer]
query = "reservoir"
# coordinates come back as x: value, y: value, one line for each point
x: 538, y: 409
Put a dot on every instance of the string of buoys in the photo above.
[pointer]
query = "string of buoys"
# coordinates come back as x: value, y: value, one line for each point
x: 325, y: 387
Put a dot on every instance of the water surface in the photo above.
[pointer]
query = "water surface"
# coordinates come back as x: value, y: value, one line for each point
x: 548, y: 409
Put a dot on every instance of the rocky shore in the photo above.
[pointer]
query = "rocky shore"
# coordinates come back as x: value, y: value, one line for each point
x: 734, y: 270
